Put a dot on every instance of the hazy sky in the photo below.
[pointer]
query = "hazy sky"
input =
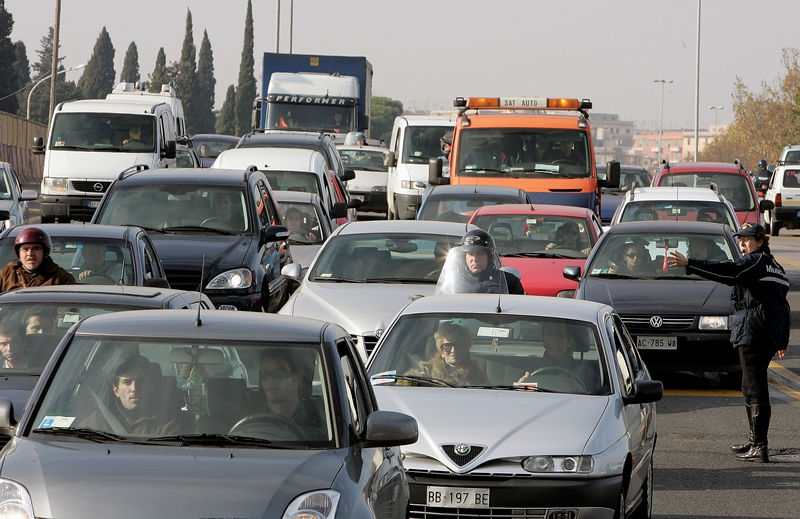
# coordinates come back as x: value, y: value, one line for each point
x: 426, y: 52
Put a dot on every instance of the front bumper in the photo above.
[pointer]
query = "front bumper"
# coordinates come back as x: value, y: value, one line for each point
x: 407, y: 206
x: 520, y: 497
x: 372, y: 200
x: 73, y: 206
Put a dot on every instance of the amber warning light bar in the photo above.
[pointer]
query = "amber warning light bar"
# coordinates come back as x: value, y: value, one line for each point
x: 524, y: 103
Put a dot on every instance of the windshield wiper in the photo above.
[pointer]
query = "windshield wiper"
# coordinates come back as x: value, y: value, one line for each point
x: 488, y: 170
x: 513, y: 387
x: 431, y: 381
x: 338, y: 279
x: 612, y: 275
x: 399, y: 280
x: 196, y: 228
x: 86, y: 433
x: 537, y: 255
x: 220, y: 439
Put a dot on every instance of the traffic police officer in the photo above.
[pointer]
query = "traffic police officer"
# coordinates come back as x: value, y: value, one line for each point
x: 759, y: 327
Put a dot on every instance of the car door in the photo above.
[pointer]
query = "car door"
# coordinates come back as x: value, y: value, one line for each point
x: 272, y: 256
x: 381, y: 472
x: 16, y: 188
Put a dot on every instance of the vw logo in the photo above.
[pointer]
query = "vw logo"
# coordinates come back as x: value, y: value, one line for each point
x: 656, y: 321
x: 98, y: 186
x: 462, y: 449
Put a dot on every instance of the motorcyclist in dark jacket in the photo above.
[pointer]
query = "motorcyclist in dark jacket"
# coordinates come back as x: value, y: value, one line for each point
x: 761, y: 175
x: 759, y: 326
x: 474, y: 267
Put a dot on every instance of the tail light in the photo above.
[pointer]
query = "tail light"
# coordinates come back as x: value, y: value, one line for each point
x: 778, y: 200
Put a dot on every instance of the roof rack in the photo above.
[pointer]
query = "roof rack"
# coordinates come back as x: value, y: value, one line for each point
x: 136, y: 168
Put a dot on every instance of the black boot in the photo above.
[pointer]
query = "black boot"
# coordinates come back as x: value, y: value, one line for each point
x: 759, y: 452
x: 744, y: 447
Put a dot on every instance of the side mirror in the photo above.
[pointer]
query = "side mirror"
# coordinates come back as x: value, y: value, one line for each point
x: 293, y: 272
x: 572, y: 272
x: 156, y: 283
x: 354, y: 203
x: 390, y: 160
x: 38, y: 145
x: 339, y: 210
x: 169, y: 150
x: 388, y: 429
x: 29, y: 194
x: 183, y: 139
x: 4, y: 215
x: 8, y: 423
x: 255, y: 116
x: 274, y: 233
x: 611, y: 179
x: 347, y: 174
x: 645, y: 391
x: 435, y: 172
x: 363, y: 122
x: 765, y: 205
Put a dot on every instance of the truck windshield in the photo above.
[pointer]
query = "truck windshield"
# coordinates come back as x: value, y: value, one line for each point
x: 523, y: 152
x: 103, y: 132
x: 337, y: 119
x: 423, y: 143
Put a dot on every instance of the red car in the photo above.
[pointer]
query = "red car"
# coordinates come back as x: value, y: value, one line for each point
x: 732, y: 181
x: 540, y: 240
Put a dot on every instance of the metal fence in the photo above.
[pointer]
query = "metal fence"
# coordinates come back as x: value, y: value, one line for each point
x: 16, y: 136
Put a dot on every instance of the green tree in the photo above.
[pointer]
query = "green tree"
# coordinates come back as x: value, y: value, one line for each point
x: 9, y: 83
x: 246, y: 87
x: 384, y: 110
x: 130, y: 67
x: 45, y: 53
x: 205, y: 87
x: 23, y: 71
x: 159, y: 75
x: 65, y: 90
x: 226, y: 120
x: 98, y: 77
x: 186, y: 84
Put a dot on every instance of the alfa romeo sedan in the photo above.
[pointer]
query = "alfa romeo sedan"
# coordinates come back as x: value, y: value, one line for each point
x: 527, y: 406
x: 216, y: 414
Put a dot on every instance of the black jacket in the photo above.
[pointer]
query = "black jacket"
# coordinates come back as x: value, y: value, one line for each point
x: 760, y: 285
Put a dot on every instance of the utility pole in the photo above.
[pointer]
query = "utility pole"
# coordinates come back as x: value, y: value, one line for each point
x: 54, y: 66
x: 661, y: 116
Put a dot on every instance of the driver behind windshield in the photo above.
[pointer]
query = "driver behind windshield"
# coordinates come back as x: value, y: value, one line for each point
x: 635, y: 261
x: 451, y: 361
x: 287, y: 389
x: 568, y: 236
x: 560, y: 341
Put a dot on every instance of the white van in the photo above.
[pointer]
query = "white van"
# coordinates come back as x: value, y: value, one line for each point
x: 90, y: 142
x: 415, y: 140
x: 126, y: 91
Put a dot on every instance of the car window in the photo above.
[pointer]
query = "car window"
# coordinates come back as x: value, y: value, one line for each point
x: 94, y: 261
x: 626, y: 369
x: 687, y: 210
x: 365, y: 160
x: 5, y: 185
x: 354, y: 387
x: 264, y: 206
x: 736, y: 188
x: 459, y: 208
x: 151, y: 264
x: 301, y: 220
x: 538, y: 234
x: 550, y: 354
x: 193, y: 388
x: 302, y: 181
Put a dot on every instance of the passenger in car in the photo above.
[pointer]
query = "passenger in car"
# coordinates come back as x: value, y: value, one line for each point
x: 705, y: 248
x: 38, y: 321
x: 560, y: 342
x: 136, y: 406
x: 451, y: 361
x: 12, y: 346
x: 635, y: 261
x: 287, y: 388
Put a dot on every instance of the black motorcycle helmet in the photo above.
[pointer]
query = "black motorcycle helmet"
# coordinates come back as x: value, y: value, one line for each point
x: 477, y: 238
x: 762, y: 164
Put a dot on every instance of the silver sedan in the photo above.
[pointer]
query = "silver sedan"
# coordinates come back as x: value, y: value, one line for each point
x: 523, y: 403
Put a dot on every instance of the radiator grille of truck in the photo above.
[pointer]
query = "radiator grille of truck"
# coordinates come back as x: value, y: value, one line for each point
x: 89, y: 186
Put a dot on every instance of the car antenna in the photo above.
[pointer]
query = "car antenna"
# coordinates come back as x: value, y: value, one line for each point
x: 198, y: 322
x: 498, y: 309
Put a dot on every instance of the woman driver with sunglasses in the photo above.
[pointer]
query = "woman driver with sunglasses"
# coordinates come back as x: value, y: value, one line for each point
x: 451, y: 361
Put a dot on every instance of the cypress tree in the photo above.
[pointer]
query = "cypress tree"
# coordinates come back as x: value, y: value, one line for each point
x: 205, y: 87
x: 9, y: 82
x: 98, y: 77
x: 226, y: 124
x: 65, y: 90
x: 23, y: 68
x: 130, y: 67
x: 159, y: 75
x: 186, y: 81
x: 246, y: 87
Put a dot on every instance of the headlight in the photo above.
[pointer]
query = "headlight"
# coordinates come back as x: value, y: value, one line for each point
x: 8, y: 224
x: 15, y: 502
x: 56, y: 184
x: 563, y: 464
x: 713, y: 322
x: 320, y: 504
x: 412, y: 184
x: 236, y: 278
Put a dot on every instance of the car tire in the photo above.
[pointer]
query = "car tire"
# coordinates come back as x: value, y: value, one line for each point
x: 774, y: 227
x: 645, y: 508
x: 619, y: 513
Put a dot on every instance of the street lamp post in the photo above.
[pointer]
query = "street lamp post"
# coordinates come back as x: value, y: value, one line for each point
x: 28, y: 108
x: 661, y: 116
x: 716, y: 112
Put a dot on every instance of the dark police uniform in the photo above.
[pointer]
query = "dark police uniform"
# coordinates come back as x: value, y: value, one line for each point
x: 759, y: 326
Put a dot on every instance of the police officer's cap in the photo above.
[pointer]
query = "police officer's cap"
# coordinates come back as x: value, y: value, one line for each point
x: 750, y: 229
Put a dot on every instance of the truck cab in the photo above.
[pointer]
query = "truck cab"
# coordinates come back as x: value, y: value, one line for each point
x: 127, y: 91
x: 90, y: 142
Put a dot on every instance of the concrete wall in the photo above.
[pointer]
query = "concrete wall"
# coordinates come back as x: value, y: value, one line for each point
x: 16, y: 136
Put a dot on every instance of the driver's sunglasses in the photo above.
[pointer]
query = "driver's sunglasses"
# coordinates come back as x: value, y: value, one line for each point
x: 632, y: 255
x: 447, y: 347
x: 277, y: 373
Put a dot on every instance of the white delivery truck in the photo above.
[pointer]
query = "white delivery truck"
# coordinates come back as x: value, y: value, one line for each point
x: 90, y: 142
x: 127, y: 91
x: 415, y: 140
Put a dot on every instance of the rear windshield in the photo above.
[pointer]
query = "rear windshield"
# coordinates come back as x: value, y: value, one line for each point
x: 734, y: 187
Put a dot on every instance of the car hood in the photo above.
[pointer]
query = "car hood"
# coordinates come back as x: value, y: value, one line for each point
x: 185, y: 251
x: 508, y: 423
x: 544, y: 276
x: 356, y: 307
x: 667, y: 296
x: 122, y: 480
x: 92, y: 165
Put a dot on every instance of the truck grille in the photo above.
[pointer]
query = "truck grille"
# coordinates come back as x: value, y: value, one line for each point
x: 369, y: 342
x: 429, y: 512
x: 641, y: 323
x: 89, y: 186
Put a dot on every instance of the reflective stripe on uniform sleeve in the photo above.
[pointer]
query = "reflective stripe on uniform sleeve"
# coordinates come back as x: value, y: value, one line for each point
x: 775, y: 280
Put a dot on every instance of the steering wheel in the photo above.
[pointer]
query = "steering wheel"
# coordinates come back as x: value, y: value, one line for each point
x: 564, y: 161
x: 266, y: 425
x: 561, y: 371
x: 98, y: 275
x: 209, y: 220
x: 298, y: 236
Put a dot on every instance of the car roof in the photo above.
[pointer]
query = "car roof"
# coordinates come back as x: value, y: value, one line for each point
x: 716, y: 167
x: 109, y: 106
x: 484, y: 189
x: 197, y: 176
x: 380, y: 149
x: 295, y: 196
x: 282, y: 136
x: 625, y: 167
x: 107, y: 294
x: 214, y: 325
x: 509, y: 304
x: 672, y: 193
x: 404, y: 226
x: 543, y: 209
x: 83, y: 230
x: 670, y: 226
x: 273, y: 158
